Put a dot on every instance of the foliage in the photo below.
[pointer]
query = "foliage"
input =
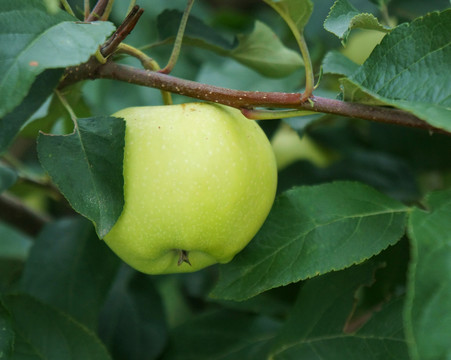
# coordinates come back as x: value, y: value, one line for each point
x: 354, y: 259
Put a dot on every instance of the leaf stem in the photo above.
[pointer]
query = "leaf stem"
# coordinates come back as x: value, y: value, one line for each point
x: 67, y: 7
x: 66, y: 105
x: 87, y: 9
x: 254, y: 114
x: 302, y: 44
x: 107, y: 12
x: 131, y: 6
x: 178, y: 40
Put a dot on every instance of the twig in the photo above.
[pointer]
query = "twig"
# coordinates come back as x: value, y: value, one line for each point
x: 98, y: 10
x: 238, y: 98
x: 122, y: 31
x: 21, y: 216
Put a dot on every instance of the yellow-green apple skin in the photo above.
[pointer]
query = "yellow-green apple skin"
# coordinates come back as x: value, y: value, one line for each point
x: 198, y: 177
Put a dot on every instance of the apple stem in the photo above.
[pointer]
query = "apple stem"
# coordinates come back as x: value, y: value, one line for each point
x: 147, y: 62
x: 183, y: 257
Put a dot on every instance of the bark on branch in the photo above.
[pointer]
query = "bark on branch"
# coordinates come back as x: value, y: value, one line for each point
x: 238, y: 98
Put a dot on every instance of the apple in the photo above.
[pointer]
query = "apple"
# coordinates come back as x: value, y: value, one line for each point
x: 199, y: 181
x: 288, y: 148
x: 361, y: 44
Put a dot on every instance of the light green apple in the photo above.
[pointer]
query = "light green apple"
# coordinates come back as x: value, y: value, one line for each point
x: 199, y: 181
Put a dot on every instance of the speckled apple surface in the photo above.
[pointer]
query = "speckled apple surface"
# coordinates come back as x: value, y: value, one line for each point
x: 198, y: 177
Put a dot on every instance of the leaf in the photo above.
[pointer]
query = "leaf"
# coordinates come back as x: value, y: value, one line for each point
x: 41, y: 89
x: 343, y: 17
x: 311, y: 231
x: 69, y: 268
x: 132, y: 321
x: 314, y: 330
x: 416, y: 83
x: 6, y: 333
x: 34, y: 40
x: 45, y: 333
x: 260, y: 50
x: 87, y: 167
x: 7, y: 177
x: 428, y: 307
x: 336, y: 63
x: 196, y: 32
x: 13, y: 244
x: 296, y: 13
x: 221, y: 335
x: 263, y: 51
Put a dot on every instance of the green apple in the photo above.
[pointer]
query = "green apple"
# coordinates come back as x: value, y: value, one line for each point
x: 199, y: 181
x: 361, y: 43
x: 288, y: 148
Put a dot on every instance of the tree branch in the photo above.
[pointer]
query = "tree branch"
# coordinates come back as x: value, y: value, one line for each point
x: 21, y: 216
x: 238, y: 98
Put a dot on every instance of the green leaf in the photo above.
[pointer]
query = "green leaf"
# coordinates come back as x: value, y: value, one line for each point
x: 260, y: 50
x: 343, y: 17
x: 428, y: 307
x: 263, y: 51
x: 222, y: 335
x: 6, y: 333
x: 34, y: 40
x: 45, y: 333
x: 41, y: 89
x: 7, y: 177
x: 65, y: 255
x: 196, y: 32
x: 87, y: 167
x: 132, y: 321
x: 417, y: 83
x: 311, y: 231
x: 336, y: 63
x: 13, y: 244
x: 296, y: 13
x: 315, y: 328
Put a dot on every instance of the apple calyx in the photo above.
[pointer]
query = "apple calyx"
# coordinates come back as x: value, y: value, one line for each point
x: 183, y: 257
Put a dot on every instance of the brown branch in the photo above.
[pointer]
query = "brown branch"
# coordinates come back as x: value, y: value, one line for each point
x: 122, y: 31
x: 21, y: 216
x: 242, y: 99
x: 98, y: 11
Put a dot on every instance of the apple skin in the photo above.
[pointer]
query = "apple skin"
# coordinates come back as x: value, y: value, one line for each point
x: 198, y: 177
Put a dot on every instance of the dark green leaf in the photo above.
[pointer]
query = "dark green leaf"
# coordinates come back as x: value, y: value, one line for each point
x: 6, y: 333
x: 87, y: 167
x: 13, y: 244
x: 336, y: 63
x: 381, y: 170
x: 417, y: 82
x: 71, y: 269
x: 224, y: 335
x: 428, y: 308
x: 7, y: 177
x: 311, y: 231
x: 41, y: 41
x: 45, y: 333
x: 40, y: 90
x: 260, y: 50
x: 315, y: 329
x: 343, y: 17
x: 196, y: 32
x: 132, y: 321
